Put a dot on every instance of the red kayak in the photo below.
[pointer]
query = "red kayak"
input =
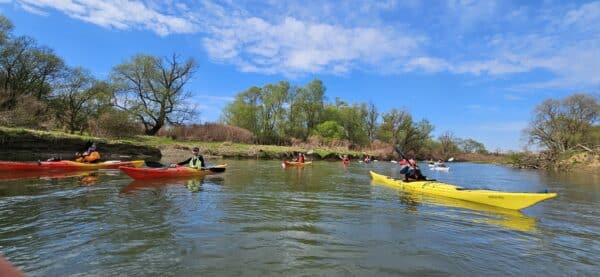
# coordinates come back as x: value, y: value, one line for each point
x: 66, y: 165
x: 170, y: 172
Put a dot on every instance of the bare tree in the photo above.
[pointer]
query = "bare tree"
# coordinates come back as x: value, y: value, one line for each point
x: 152, y: 89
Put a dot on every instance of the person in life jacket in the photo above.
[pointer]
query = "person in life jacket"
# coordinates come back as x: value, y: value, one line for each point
x: 195, y: 161
x: 411, y: 170
x: 301, y: 158
x: 346, y: 159
x: 90, y: 156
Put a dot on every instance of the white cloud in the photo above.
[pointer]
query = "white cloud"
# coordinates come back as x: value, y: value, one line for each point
x: 308, y: 37
x: 115, y: 14
x: 292, y: 46
x: 31, y: 9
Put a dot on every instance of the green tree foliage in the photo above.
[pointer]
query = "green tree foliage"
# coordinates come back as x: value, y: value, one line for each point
x: 114, y: 123
x: 371, y: 115
x: 272, y: 112
x: 6, y: 28
x: 77, y: 97
x: 398, y: 128
x: 448, y: 143
x: 329, y: 130
x: 306, y: 108
x: 559, y: 125
x: 352, y: 118
x: 26, y: 69
x: 152, y: 89
x: 243, y: 111
x: 471, y: 146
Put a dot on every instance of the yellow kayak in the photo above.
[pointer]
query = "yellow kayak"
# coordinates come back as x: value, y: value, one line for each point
x: 507, y: 200
x: 288, y: 164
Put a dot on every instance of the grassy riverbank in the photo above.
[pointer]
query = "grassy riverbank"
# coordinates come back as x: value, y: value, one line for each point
x: 170, y: 149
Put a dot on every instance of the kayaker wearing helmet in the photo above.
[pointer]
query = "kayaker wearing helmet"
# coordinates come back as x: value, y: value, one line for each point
x: 195, y: 161
x: 90, y: 156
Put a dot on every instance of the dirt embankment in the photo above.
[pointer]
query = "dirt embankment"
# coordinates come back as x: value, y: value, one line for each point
x: 29, y: 145
x: 583, y: 161
x: 568, y: 161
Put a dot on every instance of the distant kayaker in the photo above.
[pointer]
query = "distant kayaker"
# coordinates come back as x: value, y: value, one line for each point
x: 367, y: 159
x: 90, y: 156
x: 301, y: 158
x: 346, y: 159
x: 195, y: 161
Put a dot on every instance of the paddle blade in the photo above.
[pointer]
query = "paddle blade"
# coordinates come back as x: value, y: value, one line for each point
x: 217, y: 169
x: 399, y: 151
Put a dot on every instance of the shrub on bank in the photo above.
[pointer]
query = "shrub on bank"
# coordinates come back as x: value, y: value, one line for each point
x: 209, y: 132
x: 28, y: 113
x: 114, y: 124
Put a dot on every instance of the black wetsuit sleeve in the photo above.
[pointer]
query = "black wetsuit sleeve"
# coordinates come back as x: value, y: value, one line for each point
x: 202, y: 161
x: 185, y: 162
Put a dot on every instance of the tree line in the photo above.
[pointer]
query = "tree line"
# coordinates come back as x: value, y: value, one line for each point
x: 38, y: 90
x: 145, y: 93
x: 282, y: 113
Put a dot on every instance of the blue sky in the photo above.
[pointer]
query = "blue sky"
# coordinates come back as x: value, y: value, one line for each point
x: 476, y: 68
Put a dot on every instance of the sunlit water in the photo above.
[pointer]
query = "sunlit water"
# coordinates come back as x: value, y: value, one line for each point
x: 325, y: 219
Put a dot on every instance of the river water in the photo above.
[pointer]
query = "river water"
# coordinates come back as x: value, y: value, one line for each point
x: 326, y: 219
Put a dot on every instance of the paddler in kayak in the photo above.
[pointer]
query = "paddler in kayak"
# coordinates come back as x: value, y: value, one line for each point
x: 301, y: 158
x: 90, y: 156
x: 411, y: 170
x: 195, y: 161
x: 345, y: 159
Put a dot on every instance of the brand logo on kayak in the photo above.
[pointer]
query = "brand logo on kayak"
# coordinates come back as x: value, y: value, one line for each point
x: 496, y: 197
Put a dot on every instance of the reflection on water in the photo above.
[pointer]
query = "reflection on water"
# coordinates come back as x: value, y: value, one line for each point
x: 193, y: 184
x: 478, y: 213
x: 327, y: 219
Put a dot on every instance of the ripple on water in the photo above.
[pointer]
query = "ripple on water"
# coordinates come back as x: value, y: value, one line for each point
x: 259, y: 219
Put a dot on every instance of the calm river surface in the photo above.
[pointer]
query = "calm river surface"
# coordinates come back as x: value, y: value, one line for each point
x: 328, y: 220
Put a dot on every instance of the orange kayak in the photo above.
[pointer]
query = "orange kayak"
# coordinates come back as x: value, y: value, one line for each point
x: 170, y: 172
x: 66, y: 165
x: 288, y: 164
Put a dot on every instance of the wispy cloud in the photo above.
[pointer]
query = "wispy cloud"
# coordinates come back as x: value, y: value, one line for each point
x: 115, y: 14
x: 292, y: 46
x: 486, y: 38
x: 31, y: 9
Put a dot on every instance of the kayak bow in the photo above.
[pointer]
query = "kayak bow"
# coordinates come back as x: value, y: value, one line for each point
x: 507, y: 200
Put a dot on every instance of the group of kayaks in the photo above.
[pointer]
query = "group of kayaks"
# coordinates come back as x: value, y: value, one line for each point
x: 135, y: 170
